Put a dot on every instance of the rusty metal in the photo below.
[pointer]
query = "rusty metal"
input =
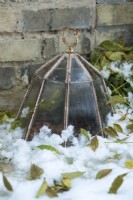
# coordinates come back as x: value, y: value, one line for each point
x: 25, y: 97
x: 34, y: 112
x: 69, y: 44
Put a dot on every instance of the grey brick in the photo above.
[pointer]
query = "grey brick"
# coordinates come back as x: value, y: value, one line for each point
x: 113, y: 1
x: 56, y: 19
x: 85, y: 44
x: 119, y: 33
x: 19, y: 50
x: 49, y: 48
x: 8, y: 20
x: 6, y: 76
x: 11, y: 100
x: 119, y: 14
x: 32, y: 69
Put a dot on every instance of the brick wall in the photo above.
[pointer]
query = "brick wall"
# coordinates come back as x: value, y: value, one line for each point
x: 30, y: 34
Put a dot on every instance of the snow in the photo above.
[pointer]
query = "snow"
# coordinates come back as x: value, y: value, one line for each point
x: 17, y: 156
x: 125, y: 69
x: 25, y: 112
x: 105, y: 72
x: 78, y: 157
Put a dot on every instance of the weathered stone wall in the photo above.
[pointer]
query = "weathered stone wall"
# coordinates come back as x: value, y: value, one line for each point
x: 114, y: 21
x: 30, y: 34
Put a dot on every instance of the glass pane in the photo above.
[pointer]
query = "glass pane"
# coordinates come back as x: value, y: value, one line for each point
x: 82, y: 110
x: 77, y: 73
x: 46, y: 67
x: 59, y: 73
x: 51, y: 107
x: 100, y: 92
x: 102, y: 100
x: 31, y: 101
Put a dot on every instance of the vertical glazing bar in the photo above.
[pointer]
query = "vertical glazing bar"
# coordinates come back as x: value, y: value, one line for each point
x: 67, y: 97
x: 35, y: 110
x: 95, y: 97
x: 97, y: 108
x: 25, y: 97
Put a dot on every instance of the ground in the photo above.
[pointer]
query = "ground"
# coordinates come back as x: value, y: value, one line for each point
x: 93, y: 167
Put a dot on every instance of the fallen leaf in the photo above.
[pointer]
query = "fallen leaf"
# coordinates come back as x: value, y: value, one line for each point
x: 7, y: 183
x: 35, y: 172
x: 42, y: 189
x: 116, y: 183
x: 103, y: 173
x: 72, y: 175
x: 94, y: 143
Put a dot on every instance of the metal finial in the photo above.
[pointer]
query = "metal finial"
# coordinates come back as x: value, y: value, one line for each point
x: 69, y: 44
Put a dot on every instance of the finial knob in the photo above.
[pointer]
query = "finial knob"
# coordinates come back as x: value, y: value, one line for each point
x: 69, y: 44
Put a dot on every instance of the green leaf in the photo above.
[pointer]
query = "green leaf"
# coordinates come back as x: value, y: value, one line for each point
x: 7, y: 183
x: 104, y: 61
x: 128, y: 56
x: 66, y: 182
x: 59, y: 188
x: 128, y: 48
x: 108, y: 53
x: 115, y: 56
x: 103, y: 173
x: 118, y: 128
x: 111, y: 45
x: 107, y: 44
x: 95, y: 57
x: 16, y: 123
x: 116, y: 99
x: 121, y: 140
x: 48, y: 147
x: 94, y: 143
x: 1, y: 168
x: 130, y: 119
x: 123, y: 117
x: 51, y: 192
x: 110, y: 131
x: 5, y: 118
x: 129, y: 164
x: 130, y: 127
x: 72, y: 175
x: 116, y: 183
x: 35, y: 172
x: 117, y: 156
x: 85, y: 133
x: 42, y: 189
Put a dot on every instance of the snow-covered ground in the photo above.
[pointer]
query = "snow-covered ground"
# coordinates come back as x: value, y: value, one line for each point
x: 79, y: 157
x: 114, y: 154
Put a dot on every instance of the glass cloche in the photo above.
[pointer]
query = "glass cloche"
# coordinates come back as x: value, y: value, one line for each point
x: 67, y: 90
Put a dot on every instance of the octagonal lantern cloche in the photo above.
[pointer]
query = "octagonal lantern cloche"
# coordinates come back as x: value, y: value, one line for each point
x: 67, y: 90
